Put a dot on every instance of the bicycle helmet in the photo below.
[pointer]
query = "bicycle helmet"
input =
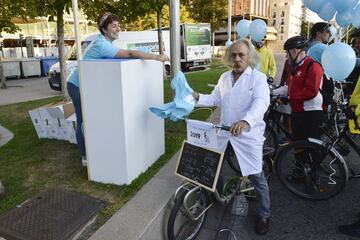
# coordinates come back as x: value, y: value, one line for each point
x: 299, y: 42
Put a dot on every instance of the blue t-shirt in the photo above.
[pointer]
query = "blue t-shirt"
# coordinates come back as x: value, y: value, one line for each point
x: 100, y: 48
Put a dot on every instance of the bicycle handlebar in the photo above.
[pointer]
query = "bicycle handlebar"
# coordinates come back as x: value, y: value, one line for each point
x: 222, y: 127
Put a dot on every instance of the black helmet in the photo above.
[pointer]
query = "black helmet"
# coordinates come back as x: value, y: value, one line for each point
x: 299, y: 42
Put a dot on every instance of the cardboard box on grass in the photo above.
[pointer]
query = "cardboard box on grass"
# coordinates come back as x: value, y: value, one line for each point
x: 52, y: 120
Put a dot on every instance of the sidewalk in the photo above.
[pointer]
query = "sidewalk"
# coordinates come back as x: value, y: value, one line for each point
x: 145, y: 216
x: 23, y: 90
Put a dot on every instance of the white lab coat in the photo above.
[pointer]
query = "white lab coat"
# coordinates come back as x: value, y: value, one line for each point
x: 247, y: 100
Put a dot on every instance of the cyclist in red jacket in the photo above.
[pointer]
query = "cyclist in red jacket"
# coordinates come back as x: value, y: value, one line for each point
x: 303, y: 88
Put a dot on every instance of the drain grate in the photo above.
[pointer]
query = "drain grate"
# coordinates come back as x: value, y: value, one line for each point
x: 53, y: 215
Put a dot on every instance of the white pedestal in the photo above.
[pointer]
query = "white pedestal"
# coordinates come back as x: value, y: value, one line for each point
x: 123, y: 137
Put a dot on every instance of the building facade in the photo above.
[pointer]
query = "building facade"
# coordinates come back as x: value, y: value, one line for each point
x: 246, y: 9
x: 250, y: 9
x: 285, y: 17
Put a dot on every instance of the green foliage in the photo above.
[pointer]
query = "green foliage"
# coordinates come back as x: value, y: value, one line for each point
x: 149, y: 21
x: 8, y: 10
x: 305, y: 28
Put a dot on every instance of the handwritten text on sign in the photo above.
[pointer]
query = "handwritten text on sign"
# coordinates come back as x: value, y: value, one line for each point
x: 201, y: 134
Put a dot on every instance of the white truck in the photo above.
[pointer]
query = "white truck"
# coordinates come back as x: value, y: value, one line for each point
x: 195, y: 48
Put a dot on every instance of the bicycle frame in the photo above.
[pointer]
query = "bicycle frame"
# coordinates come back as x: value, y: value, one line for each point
x: 270, y: 115
x: 191, y: 189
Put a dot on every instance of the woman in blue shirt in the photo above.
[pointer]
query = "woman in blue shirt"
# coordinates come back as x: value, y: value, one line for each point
x: 100, y: 48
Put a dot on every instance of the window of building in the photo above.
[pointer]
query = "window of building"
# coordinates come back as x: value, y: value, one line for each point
x: 283, y: 13
x: 274, y: 22
x: 274, y: 15
x: 281, y: 37
x: 282, y: 29
x: 282, y: 21
x: 275, y: 5
x: 286, y: 3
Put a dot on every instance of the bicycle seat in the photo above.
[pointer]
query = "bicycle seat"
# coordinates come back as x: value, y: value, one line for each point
x: 268, y: 151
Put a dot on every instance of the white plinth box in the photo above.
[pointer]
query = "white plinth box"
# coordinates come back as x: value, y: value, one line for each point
x: 123, y: 137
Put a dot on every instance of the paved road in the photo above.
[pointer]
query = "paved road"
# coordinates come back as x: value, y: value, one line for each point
x: 23, y: 90
x: 292, y: 217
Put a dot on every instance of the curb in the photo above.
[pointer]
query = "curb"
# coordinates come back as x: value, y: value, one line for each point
x: 142, y: 217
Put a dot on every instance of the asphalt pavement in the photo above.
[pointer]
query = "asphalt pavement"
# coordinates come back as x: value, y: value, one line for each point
x: 296, y: 218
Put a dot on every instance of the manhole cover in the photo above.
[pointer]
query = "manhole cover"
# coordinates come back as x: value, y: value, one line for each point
x: 54, y: 215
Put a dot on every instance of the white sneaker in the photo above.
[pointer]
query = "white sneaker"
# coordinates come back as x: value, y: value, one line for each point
x: 84, y: 162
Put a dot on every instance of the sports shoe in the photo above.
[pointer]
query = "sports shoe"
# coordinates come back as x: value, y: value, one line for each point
x: 262, y: 225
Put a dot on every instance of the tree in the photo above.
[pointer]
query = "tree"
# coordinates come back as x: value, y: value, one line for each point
x: 213, y: 12
x: 51, y: 8
x: 9, y: 9
x: 305, y: 28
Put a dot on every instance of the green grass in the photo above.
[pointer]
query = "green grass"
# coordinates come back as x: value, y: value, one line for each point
x: 29, y: 165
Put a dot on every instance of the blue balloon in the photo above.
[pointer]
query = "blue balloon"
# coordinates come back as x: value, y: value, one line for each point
x: 316, y: 51
x: 228, y: 43
x: 338, y: 60
x: 327, y: 11
x: 258, y: 30
x: 243, y: 28
x: 356, y: 18
x: 344, y: 18
x: 341, y: 5
x: 314, y: 5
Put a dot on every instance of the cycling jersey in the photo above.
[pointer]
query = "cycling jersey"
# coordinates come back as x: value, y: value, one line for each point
x: 304, y: 83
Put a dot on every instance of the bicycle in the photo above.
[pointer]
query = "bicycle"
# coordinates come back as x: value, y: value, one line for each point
x: 273, y: 125
x: 313, y: 169
x: 192, y: 201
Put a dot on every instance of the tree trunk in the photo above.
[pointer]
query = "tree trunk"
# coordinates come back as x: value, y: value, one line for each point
x: 60, y: 35
x: 2, y: 76
x: 160, y: 37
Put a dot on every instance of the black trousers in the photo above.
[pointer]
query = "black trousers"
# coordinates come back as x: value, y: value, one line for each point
x: 305, y: 124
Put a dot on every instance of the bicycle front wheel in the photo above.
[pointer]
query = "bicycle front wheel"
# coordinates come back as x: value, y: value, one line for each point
x: 310, y: 171
x: 181, y: 225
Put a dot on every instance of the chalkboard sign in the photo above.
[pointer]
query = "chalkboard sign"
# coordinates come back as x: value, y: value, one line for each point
x: 199, y: 165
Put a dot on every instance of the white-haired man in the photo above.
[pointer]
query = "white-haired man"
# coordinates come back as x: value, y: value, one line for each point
x: 243, y: 95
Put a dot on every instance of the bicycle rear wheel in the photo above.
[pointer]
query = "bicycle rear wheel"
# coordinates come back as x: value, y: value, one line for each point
x: 180, y: 224
x: 298, y: 169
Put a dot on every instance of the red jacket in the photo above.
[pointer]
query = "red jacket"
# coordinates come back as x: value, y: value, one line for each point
x: 304, y: 83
